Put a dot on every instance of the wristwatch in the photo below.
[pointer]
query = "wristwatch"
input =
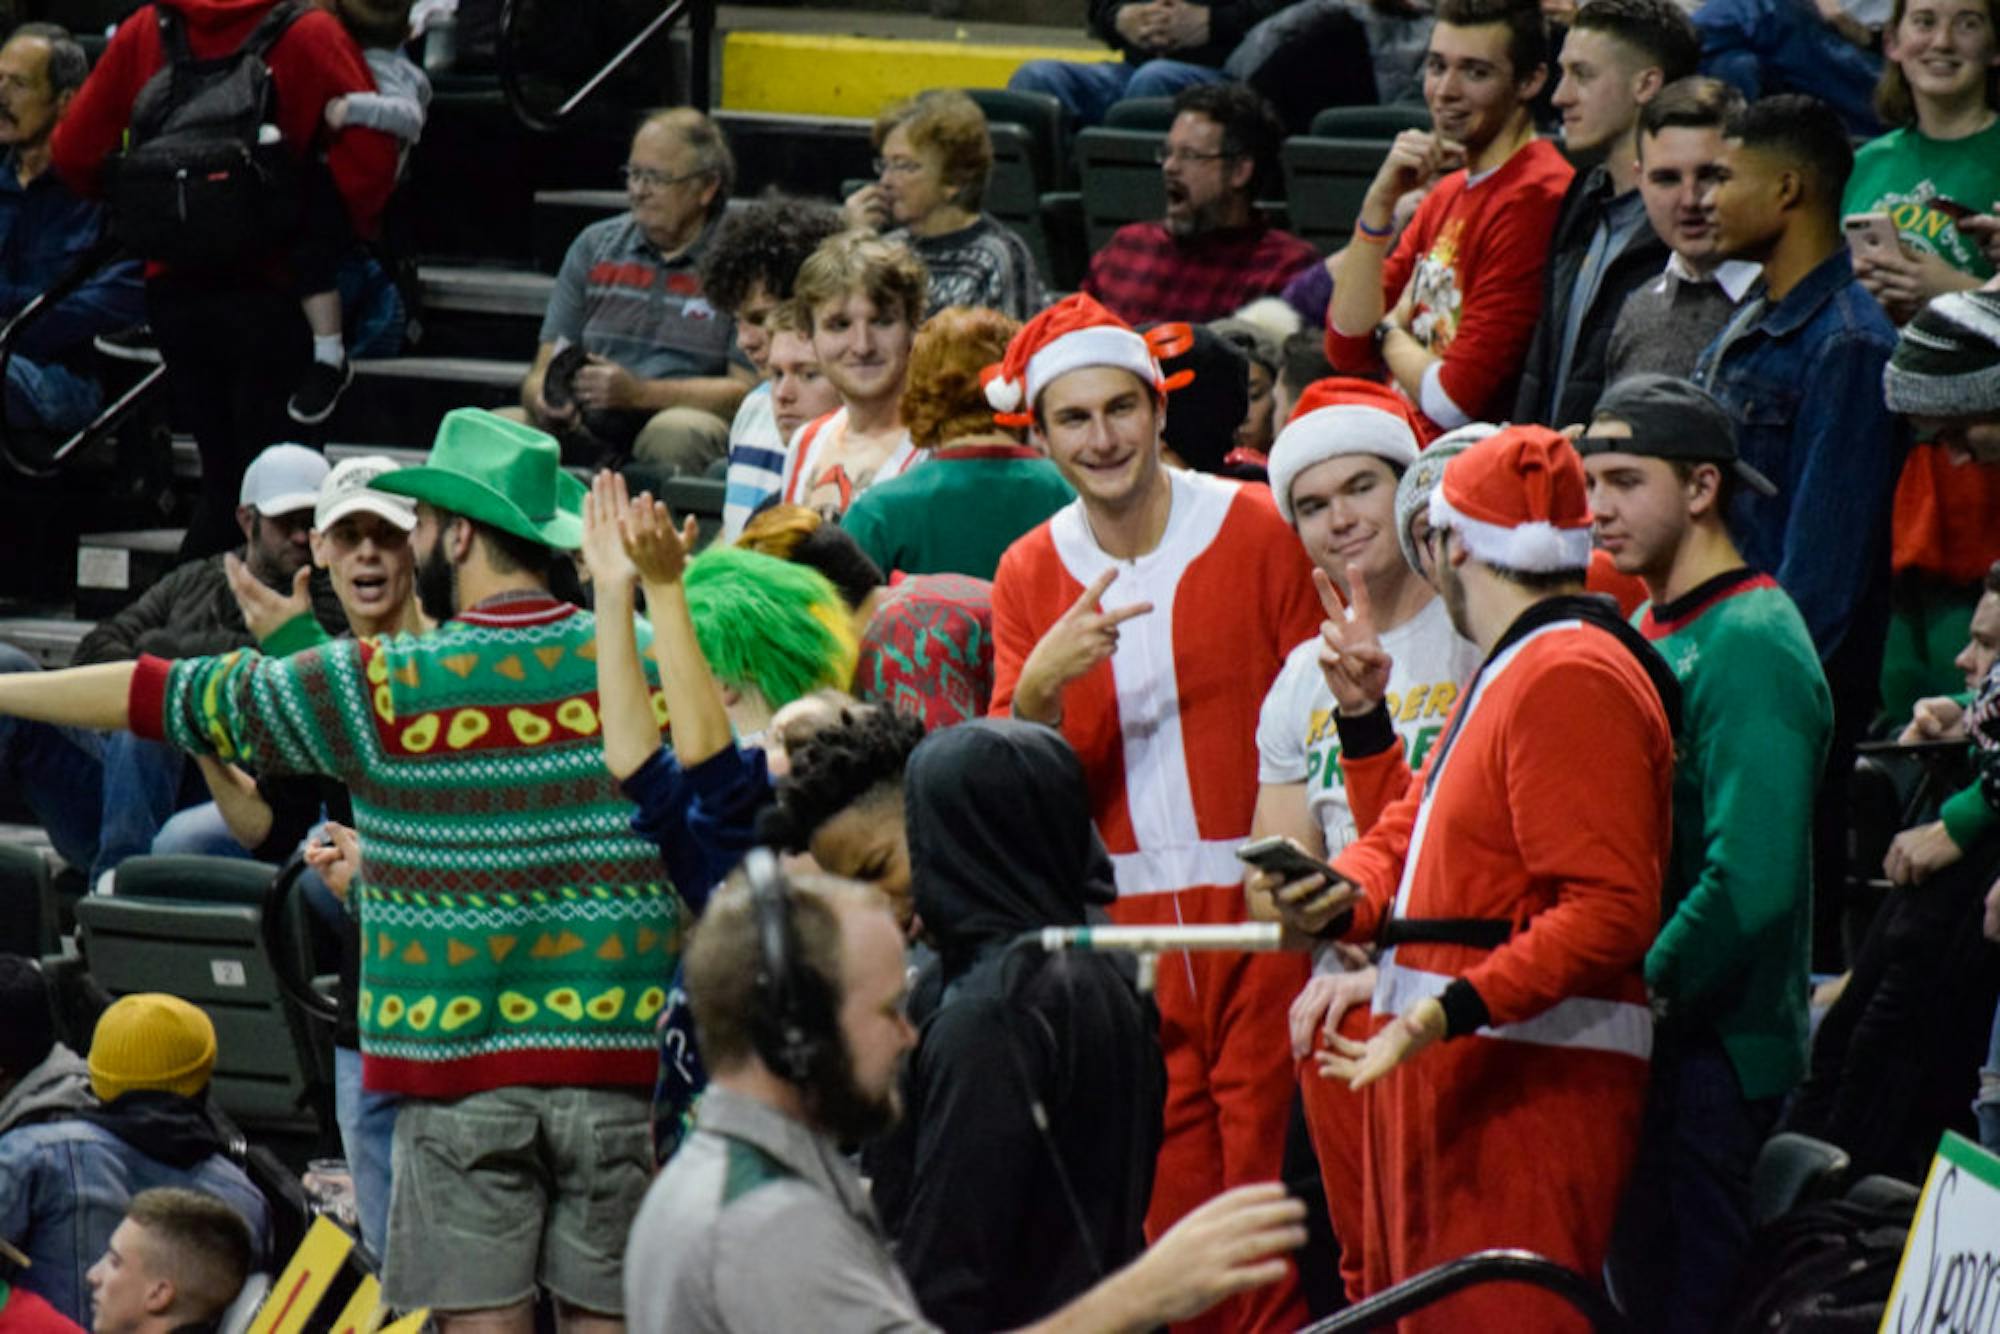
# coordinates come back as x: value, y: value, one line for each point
x: 1383, y: 330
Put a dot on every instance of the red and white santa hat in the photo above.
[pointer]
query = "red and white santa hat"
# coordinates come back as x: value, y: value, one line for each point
x: 1073, y: 333
x: 1338, y: 416
x: 1516, y: 499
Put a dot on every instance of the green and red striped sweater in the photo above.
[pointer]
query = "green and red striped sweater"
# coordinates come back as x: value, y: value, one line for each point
x: 514, y: 930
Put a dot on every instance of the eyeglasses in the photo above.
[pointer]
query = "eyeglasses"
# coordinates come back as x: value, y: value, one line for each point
x: 1163, y: 155
x: 647, y: 178
x: 897, y: 166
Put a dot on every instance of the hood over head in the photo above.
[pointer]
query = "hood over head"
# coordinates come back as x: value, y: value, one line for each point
x: 998, y: 819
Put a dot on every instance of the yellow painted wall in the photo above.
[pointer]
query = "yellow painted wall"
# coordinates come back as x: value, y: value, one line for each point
x: 816, y: 75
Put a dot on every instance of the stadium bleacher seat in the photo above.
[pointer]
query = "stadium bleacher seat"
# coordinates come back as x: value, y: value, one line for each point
x: 1372, y: 122
x: 1120, y: 179
x: 25, y: 926
x: 1791, y: 1170
x: 193, y: 926
x: 1041, y: 116
x: 1141, y: 113
x: 1326, y: 181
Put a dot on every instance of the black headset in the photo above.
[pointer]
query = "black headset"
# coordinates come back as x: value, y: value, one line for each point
x: 792, y: 1021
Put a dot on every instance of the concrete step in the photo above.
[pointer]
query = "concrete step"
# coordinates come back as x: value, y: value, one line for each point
x: 561, y: 214
x: 399, y: 400
x: 50, y: 640
x: 479, y: 289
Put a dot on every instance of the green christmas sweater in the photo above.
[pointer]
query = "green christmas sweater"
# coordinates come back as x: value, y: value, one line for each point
x: 514, y: 930
x: 1733, y: 951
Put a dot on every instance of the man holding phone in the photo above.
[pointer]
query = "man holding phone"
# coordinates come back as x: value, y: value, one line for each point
x: 1513, y: 929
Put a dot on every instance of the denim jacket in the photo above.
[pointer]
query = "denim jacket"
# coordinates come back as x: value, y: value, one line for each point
x: 64, y: 1186
x: 1802, y: 377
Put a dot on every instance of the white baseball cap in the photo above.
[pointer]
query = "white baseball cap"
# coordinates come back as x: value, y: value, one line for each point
x: 283, y: 480
x: 348, y: 489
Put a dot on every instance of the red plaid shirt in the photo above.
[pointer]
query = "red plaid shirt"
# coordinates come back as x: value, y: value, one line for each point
x: 1144, y: 274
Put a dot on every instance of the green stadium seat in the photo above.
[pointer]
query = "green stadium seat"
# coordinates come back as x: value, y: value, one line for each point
x: 1792, y: 1170
x: 1121, y: 180
x: 1040, y: 116
x: 1326, y: 181
x: 193, y: 927
x: 1141, y: 113
x: 1380, y: 123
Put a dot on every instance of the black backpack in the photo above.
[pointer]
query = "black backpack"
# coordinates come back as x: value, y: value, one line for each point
x: 1824, y: 1268
x: 204, y: 179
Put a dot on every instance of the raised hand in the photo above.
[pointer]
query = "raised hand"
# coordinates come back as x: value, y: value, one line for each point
x: 660, y: 551
x: 603, y: 546
x: 338, y: 859
x: 1415, y: 159
x: 265, y: 609
x: 1351, y: 656
x: 1080, y: 638
x: 1234, y: 1242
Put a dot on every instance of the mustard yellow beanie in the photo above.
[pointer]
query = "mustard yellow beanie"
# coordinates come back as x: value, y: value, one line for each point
x: 151, y: 1041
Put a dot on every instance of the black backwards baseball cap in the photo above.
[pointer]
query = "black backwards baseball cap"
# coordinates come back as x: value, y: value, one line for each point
x: 1669, y: 418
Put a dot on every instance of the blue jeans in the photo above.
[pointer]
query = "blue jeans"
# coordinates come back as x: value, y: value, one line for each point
x: 198, y: 831
x: 58, y: 771
x: 367, y: 1132
x: 1780, y: 46
x: 1087, y: 89
x: 142, y: 784
x: 1684, y: 1227
x: 50, y: 397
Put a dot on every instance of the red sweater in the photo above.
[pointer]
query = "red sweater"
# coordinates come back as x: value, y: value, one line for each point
x: 1472, y: 257
x: 313, y: 63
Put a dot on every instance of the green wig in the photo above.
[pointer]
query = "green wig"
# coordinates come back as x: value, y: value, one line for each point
x: 768, y: 623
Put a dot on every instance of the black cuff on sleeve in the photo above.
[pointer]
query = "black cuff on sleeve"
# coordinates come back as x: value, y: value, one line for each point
x: 1464, y: 1009
x: 1370, y: 734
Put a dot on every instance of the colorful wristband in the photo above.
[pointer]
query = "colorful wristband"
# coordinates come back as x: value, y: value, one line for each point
x: 1367, y: 233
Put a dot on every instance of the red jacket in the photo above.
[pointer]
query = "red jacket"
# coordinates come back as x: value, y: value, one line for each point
x: 313, y: 63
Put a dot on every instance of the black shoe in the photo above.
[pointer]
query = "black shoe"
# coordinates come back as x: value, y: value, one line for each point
x: 319, y: 392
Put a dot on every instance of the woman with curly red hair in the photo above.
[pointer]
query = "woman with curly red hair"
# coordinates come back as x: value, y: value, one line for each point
x: 982, y: 487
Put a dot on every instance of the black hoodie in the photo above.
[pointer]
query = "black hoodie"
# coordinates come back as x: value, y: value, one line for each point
x: 1001, y: 843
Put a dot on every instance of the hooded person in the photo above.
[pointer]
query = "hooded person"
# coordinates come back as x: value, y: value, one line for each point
x: 64, y: 1184
x: 998, y: 1221
x: 40, y: 1078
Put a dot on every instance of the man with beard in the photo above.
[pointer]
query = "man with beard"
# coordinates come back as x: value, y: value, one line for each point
x: 1213, y: 253
x: 43, y: 228
x: 1513, y: 1069
x: 761, y: 1221
x: 511, y: 1007
x: 1449, y: 311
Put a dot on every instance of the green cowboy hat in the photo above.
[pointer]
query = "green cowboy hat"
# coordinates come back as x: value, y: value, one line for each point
x: 498, y: 472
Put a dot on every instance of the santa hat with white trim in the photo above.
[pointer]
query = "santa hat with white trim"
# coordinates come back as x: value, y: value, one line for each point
x: 1074, y: 333
x: 1516, y: 499
x: 1338, y: 416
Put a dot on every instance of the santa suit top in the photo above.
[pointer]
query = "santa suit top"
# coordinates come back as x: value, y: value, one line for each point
x: 1166, y: 729
x: 1544, y: 805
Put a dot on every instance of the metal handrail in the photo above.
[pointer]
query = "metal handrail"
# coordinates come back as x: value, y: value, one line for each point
x: 105, y: 251
x: 701, y: 35
x: 1495, y: 1266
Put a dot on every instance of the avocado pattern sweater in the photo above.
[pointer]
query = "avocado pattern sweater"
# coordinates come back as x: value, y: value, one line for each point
x: 514, y: 929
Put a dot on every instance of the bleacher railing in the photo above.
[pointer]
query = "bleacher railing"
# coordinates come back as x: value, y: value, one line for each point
x: 108, y: 418
x: 701, y: 38
x: 1495, y: 1266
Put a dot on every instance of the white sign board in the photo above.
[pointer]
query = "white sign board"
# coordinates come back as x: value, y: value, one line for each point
x: 1950, y: 1275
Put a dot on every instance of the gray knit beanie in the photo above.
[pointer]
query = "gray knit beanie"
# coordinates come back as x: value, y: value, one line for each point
x: 1413, y: 491
x: 1947, y: 361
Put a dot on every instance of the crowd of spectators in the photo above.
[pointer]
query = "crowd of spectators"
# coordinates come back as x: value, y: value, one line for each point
x: 1495, y: 604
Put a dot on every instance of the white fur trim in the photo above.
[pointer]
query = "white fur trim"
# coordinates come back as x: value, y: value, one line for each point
x: 1331, y: 433
x: 1098, y: 345
x: 1003, y: 395
x: 1532, y: 548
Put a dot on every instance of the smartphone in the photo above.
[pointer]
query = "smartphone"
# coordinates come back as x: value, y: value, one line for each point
x: 1278, y: 855
x: 1871, y: 235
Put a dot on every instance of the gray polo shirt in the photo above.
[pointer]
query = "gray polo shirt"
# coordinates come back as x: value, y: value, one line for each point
x: 758, y: 1224
x: 620, y: 298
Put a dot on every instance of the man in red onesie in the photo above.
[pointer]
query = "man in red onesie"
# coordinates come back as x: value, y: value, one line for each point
x: 1515, y: 890
x: 1147, y: 620
x: 233, y: 340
